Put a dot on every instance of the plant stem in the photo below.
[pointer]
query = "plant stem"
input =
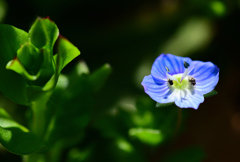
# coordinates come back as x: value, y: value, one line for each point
x: 39, y: 114
x: 38, y: 124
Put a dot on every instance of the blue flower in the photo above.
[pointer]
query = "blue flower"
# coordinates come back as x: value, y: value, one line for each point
x: 180, y: 80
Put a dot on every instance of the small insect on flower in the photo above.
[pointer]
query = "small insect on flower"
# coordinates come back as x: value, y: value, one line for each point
x: 180, y: 80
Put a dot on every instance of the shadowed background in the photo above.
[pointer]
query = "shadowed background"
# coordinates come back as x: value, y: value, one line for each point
x: 129, y: 35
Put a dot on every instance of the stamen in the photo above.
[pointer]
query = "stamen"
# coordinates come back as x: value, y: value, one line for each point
x: 167, y: 69
x: 186, y: 65
x: 170, y: 76
x: 192, y: 80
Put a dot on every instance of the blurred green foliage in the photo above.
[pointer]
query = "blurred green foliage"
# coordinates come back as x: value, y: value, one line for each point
x: 98, y: 116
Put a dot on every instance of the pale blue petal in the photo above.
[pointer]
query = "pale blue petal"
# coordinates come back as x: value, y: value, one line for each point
x: 206, y: 75
x: 189, y: 100
x: 174, y: 64
x: 169, y: 97
x: 156, y: 91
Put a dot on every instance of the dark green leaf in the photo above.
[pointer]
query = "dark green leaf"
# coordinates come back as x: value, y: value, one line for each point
x: 98, y: 78
x: 30, y: 58
x: 159, y: 105
x: 212, y: 93
x: 15, y: 137
x: 19, y: 142
x: 11, y: 84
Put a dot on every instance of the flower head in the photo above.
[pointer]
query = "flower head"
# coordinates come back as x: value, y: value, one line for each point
x: 180, y: 80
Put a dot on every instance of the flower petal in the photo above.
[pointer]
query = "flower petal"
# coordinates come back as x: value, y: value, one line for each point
x: 156, y: 91
x: 206, y: 75
x: 174, y: 64
x: 191, y: 99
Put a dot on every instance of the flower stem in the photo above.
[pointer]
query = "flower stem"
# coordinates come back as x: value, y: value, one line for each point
x: 179, y: 120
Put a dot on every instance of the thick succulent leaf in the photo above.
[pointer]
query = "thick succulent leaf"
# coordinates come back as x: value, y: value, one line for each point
x: 19, y: 142
x: 99, y: 77
x: 6, y: 121
x: 47, y: 68
x: 15, y: 137
x: 37, y: 34
x: 210, y: 94
x: 51, y: 30
x: 30, y: 58
x: 43, y: 32
x: 16, y: 66
x: 66, y: 51
x: 11, y: 84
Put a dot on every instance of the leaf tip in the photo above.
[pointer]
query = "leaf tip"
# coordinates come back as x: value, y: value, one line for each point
x: 47, y: 17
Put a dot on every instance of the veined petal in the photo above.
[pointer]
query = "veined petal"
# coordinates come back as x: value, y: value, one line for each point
x: 169, y: 97
x: 206, y: 75
x: 173, y: 63
x: 154, y: 90
x: 192, y: 99
x: 180, y: 80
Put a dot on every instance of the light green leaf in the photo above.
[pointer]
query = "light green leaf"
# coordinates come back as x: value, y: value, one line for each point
x: 11, y: 84
x: 148, y: 136
x: 210, y: 94
x: 15, y: 137
x: 43, y: 32
x: 37, y: 34
x: 193, y: 35
x: 124, y: 145
x: 16, y: 66
x: 51, y: 30
x: 67, y: 52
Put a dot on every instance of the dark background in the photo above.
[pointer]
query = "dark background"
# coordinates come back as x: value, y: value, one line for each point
x: 129, y: 35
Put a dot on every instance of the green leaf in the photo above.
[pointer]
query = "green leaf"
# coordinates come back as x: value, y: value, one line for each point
x: 124, y: 145
x: 30, y: 58
x: 51, y: 30
x: 16, y: 66
x: 15, y: 137
x: 19, y: 142
x: 159, y: 105
x: 210, y: 94
x: 37, y: 34
x: 12, y: 84
x: 148, y: 136
x: 67, y: 52
x: 99, y: 77
x: 43, y: 32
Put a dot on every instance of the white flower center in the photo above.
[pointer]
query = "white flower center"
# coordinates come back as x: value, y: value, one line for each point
x: 178, y: 84
x: 181, y: 81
